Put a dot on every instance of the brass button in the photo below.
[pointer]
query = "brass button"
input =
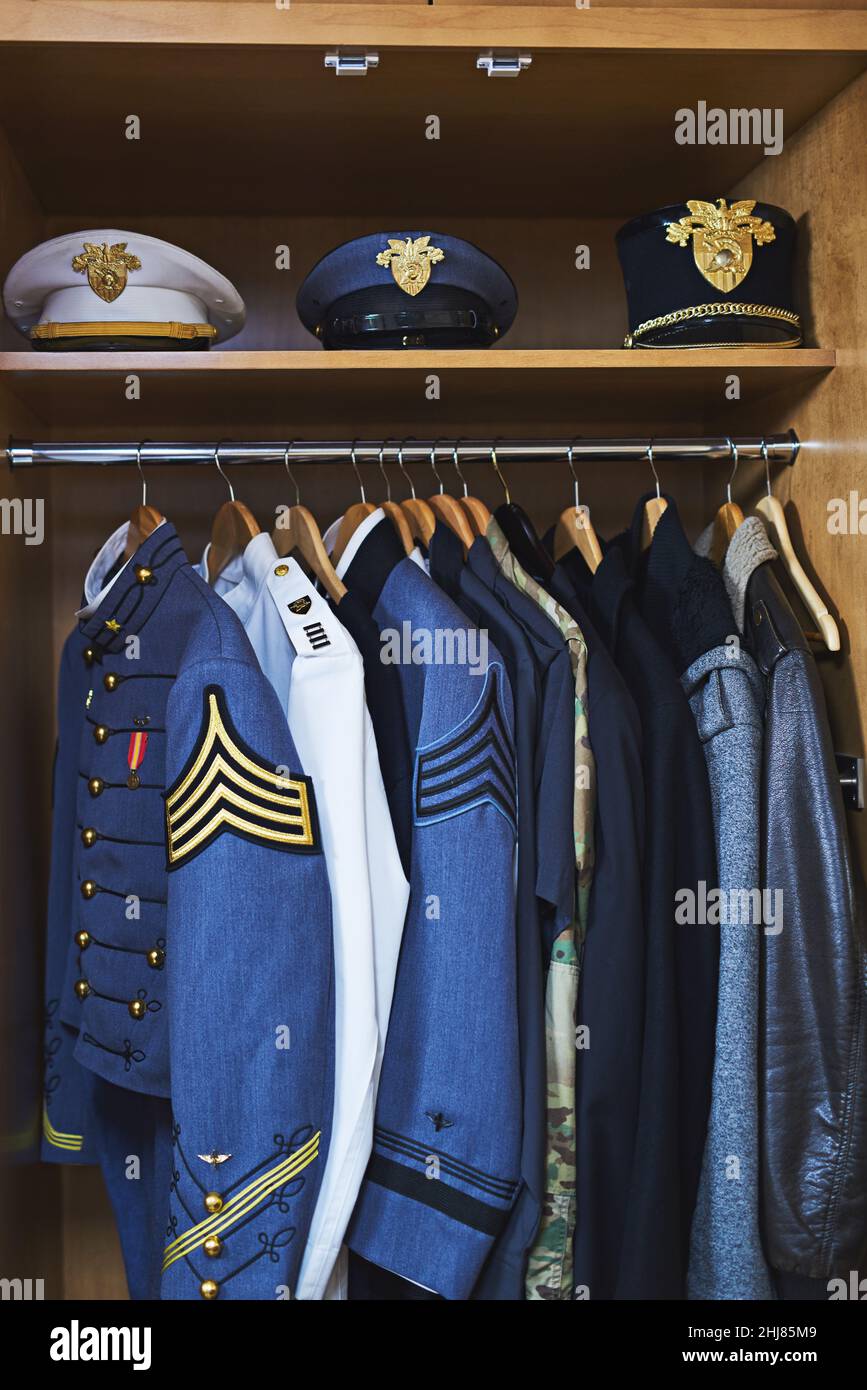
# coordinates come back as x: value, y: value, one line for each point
x: 280, y: 570
x: 213, y: 1203
x: 95, y: 786
x: 213, y: 1246
x: 136, y: 1008
x: 209, y: 1288
x: 82, y: 940
x: 89, y: 837
x: 88, y: 888
x: 89, y: 656
x: 101, y: 733
x: 82, y: 989
x: 143, y: 574
x: 156, y: 958
x: 111, y: 680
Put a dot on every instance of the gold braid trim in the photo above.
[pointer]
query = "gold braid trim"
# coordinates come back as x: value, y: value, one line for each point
x: 697, y: 311
x: 124, y: 329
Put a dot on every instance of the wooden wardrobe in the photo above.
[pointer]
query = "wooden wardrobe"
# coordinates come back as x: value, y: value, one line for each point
x: 248, y: 143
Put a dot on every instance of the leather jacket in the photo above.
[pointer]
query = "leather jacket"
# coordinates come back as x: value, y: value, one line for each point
x: 813, y: 1015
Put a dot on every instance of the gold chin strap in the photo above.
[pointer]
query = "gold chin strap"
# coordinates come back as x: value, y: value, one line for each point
x: 124, y: 329
x: 735, y: 310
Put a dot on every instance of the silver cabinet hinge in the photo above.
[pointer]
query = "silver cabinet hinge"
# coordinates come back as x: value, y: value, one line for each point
x: 352, y: 64
x: 503, y: 64
x: 851, y: 771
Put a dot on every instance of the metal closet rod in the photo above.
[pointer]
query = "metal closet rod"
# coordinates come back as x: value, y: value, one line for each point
x: 780, y: 448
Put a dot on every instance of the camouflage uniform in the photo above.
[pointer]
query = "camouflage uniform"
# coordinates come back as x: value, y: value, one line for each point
x: 549, y: 1273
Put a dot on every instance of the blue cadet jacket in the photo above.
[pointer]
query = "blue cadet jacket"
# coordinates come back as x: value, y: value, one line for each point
x: 446, y: 1155
x: 199, y: 976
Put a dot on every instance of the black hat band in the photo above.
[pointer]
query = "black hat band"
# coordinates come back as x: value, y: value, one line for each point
x: 412, y: 324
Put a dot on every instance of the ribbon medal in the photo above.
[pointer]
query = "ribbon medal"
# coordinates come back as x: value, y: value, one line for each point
x: 138, y: 743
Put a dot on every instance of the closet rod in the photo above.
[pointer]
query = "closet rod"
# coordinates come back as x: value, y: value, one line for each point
x: 780, y: 448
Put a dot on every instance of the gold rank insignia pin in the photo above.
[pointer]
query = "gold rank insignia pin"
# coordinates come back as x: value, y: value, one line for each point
x: 112, y: 624
x: 300, y: 605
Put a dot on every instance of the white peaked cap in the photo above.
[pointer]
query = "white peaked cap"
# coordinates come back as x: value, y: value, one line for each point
x: 52, y: 288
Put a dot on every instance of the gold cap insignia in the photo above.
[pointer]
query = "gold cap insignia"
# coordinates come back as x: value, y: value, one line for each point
x: 300, y: 605
x: 106, y: 268
x: 722, y: 239
x: 411, y: 262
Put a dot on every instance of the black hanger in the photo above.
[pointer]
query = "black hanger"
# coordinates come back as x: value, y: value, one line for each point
x: 521, y: 533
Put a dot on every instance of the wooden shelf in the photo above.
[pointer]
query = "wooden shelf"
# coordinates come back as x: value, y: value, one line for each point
x: 231, y: 126
x: 234, y: 390
x: 744, y: 26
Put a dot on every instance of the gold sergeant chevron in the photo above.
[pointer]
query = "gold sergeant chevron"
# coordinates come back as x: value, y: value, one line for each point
x: 224, y: 788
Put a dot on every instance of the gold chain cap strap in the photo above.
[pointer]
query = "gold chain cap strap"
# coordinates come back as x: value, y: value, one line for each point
x: 696, y: 311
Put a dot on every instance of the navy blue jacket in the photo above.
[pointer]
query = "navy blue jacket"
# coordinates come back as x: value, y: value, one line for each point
x: 198, y: 976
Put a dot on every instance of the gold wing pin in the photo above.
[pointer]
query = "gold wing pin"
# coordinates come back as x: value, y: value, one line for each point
x: 722, y: 239
x: 106, y: 267
x: 411, y: 262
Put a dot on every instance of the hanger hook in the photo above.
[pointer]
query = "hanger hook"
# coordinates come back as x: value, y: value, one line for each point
x: 457, y: 467
x: 144, y: 485
x: 433, y: 464
x: 217, y: 448
x: 767, y: 467
x: 402, y: 469
x: 385, y: 477
x: 499, y: 474
x: 571, y: 463
x: 355, y: 469
x: 733, y: 454
x: 653, y: 466
x: 286, y: 452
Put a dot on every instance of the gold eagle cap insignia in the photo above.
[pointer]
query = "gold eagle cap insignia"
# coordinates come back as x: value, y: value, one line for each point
x: 106, y: 267
x: 722, y: 239
x: 213, y: 1158
x: 411, y: 262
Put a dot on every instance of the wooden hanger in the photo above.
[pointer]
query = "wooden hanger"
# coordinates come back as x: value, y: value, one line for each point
x: 575, y: 529
x: 233, y: 528
x: 394, y: 511
x: 353, y: 516
x: 446, y: 507
x: 727, y: 519
x: 476, y: 512
x: 770, y: 509
x: 653, y: 507
x: 297, y: 530
x: 143, y: 520
x: 420, y: 517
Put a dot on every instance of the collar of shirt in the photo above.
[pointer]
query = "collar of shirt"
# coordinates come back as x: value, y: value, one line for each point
x: 124, y: 605
x: 96, y: 586
x: 229, y: 576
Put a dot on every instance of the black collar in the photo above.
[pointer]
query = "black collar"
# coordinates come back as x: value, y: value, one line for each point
x: 134, y: 596
x: 446, y: 559
x: 379, y: 553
